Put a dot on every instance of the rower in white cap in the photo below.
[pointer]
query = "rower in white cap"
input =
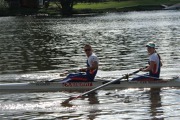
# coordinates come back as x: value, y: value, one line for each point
x: 154, y: 66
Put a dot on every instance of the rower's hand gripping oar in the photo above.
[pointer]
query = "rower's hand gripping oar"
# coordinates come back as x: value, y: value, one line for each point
x: 99, y: 87
x: 69, y: 71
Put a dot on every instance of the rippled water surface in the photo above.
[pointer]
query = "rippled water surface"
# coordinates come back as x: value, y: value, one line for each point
x: 33, y: 49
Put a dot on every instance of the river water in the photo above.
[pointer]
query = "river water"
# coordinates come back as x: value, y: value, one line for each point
x: 39, y: 48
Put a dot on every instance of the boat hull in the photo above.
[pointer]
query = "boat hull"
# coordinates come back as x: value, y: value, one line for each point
x: 83, y: 86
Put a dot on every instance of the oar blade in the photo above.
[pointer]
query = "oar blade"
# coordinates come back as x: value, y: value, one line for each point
x: 70, y: 99
x: 67, y: 100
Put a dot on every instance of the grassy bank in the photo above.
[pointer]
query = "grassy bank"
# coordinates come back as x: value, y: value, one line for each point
x: 129, y: 5
x: 123, y: 4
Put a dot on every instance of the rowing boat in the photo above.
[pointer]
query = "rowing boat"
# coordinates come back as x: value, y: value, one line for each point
x: 49, y: 86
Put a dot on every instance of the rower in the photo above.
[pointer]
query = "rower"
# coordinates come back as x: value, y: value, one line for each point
x: 154, y: 66
x: 86, y: 74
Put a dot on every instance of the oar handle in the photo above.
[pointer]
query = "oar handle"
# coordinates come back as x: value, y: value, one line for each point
x: 134, y: 72
x: 64, y: 73
x: 69, y: 71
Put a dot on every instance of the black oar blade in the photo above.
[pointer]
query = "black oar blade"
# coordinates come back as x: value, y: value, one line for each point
x: 70, y: 99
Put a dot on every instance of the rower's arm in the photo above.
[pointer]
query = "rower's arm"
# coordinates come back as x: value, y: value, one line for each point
x: 161, y: 63
x: 150, y: 67
x: 94, y: 66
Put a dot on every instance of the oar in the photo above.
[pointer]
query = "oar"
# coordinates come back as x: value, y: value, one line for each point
x: 64, y: 73
x: 175, y: 77
x: 99, y: 87
x: 57, y: 79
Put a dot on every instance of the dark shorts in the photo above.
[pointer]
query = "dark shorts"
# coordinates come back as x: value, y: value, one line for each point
x: 79, y: 77
x: 145, y: 77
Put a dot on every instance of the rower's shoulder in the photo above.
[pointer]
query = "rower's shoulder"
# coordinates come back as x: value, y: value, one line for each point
x: 93, y: 57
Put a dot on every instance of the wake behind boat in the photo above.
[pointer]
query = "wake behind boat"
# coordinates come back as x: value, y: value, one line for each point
x: 49, y: 86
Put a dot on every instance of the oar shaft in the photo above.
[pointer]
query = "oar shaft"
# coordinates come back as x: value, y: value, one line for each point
x: 113, y: 81
x: 101, y: 86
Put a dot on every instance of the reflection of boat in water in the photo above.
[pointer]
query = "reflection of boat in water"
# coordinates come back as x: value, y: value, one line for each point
x: 73, y: 86
x: 155, y: 100
x: 172, y: 7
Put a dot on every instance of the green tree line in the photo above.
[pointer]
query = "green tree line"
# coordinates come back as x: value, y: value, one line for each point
x: 3, y: 5
x: 65, y: 6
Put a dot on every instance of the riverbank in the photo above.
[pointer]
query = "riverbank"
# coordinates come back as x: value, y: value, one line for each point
x: 123, y: 9
x: 123, y: 6
x: 113, y: 6
x: 94, y: 8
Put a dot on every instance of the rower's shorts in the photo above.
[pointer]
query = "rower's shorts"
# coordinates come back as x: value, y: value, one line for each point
x: 145, y: 77
x: 78, y: 77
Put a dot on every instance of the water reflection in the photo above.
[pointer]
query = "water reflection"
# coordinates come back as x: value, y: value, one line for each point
x: 91, y: 108
x: 93, y: 104
x: 155, y: 103
x: 41, y: 44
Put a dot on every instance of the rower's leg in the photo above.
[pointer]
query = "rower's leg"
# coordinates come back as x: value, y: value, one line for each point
x: 76, y: 77
x: 144, y: 77
x: 79, y: 78
x: 69, y: 77
x: 138, y: 78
